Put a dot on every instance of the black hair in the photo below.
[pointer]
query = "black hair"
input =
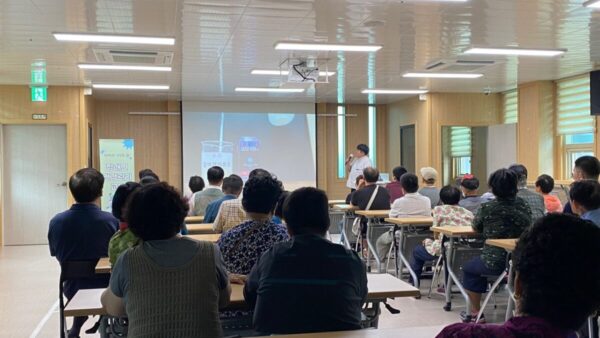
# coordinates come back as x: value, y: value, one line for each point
x: 306, y: 210
x: 258, y: 172
x: 589, y: 166
x: 371, y: 174
x: 471, y: 183
x: 557, y: 267
x: 450, y: 195
x: 545, y: 183
x: 233, y: 184
x: 586, y: 193
x: 148, y: 180
x: 120, y: 199
x: 147, y: 172
x: 410, y: 183
x: 280, y: 201
x: 215, y: 175
x: 398, y: 172
x: 261, y: 194
x: 503, y: 183
x: 86, y: 185
x: 196, y: 184
x: 364, y: 148
x: 156, y: 212
x: 521, y: 172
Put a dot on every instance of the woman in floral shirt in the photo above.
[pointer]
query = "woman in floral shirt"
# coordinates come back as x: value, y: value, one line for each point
x: 449, y: 214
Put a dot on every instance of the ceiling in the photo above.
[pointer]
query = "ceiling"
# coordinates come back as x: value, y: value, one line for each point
x: 219, y: 42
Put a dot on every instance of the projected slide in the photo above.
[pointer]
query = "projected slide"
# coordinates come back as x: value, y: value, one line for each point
x: 284, y: 144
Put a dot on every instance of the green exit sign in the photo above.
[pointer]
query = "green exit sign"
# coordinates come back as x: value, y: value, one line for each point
x: 38, y: 76
x: 39, y: 94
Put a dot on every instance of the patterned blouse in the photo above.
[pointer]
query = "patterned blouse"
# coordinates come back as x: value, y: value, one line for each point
x: 447, y: 215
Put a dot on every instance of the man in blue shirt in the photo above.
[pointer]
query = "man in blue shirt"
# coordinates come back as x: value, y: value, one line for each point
x: 232, y: 187
x: 82, y: 233
x: 585, y: 200
x: 307, y: 284
x: 586, y: 168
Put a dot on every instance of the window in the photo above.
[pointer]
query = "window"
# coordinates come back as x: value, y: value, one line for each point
x: 373, y: 135
x: 510, y: 110
x: 341, y: 140
x: 460, y: 150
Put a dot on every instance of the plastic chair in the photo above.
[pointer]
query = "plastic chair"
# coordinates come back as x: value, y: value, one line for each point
x: 71, y: 270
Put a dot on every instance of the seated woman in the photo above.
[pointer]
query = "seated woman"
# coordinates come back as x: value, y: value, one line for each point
x: 507, y: 216
x: 124, y: 238
x: 449, y: 214
x: 558, y: 251
x: 168, y: 286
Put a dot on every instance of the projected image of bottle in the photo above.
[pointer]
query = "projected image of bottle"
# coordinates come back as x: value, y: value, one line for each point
x: 218, y: 153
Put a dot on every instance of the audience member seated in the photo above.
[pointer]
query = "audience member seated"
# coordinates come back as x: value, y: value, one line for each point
x: 360, y: 183
x: 472, y: 200
x: 394, y: 187
x: 245, y: 243
x: 586, y: 168
x: 278, y: 212
x: 124, y: 238
x: 82, y: 233
x: 148, y: 180
x: 554, y: 253
x: 505, y: 217
x: 168, y: 286
x: 429, y: 190
x: 412, y: 204
x: 327, y: 286
x: 449, y: 214
x: 147, y: 173
x: 211, y: 193
x: 534, y: 200
x: 196, y: 183
x: 585, y: 200
x: 544, y: 185
x: 232, y: 188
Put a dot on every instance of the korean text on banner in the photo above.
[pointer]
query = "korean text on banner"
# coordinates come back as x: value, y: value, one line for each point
x: 117, y: 164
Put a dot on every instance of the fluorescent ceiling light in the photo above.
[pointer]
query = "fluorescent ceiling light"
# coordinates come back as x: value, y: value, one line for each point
x: 269, y: 90
x: 123, y: 67
x: 127, y: 86
x: 394, y: 91
x: 516, y: 51
x: 114, y: 38
x: 445, y: 75
x: 315, y: 46
x: 282, y: 72
x: 592, y: 4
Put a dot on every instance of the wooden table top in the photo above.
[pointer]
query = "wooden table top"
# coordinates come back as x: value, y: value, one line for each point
x: 344, y: 207
x: 425, y: 221
x: 205, y: 237
x: 508, y: 244
x: 194, y: 219
x: 334, y: 202
x: 455, y: 231
x: 103, y: 265
x: 373, y: 213
x: 200, y: 228
x: 85, y: 303
x: 412, y: 332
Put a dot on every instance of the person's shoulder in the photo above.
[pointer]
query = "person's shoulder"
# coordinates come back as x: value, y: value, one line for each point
x: 61, y: 217
x: 467, y: 330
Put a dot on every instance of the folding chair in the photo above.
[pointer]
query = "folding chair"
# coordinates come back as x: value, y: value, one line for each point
x: 71, y: 270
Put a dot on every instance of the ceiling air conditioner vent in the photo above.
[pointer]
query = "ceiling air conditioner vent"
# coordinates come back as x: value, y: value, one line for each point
x: 460, y: 66
x: 134, y: 57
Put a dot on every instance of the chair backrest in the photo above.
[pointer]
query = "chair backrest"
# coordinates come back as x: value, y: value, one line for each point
x: 70, y: 270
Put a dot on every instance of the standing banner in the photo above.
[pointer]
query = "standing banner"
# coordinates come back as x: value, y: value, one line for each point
x: 117, y: 164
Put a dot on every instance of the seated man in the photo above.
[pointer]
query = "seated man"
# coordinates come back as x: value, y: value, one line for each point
x: 82, y: 233
x: 327, y: 286
x: 412, y: 204
x: 196, y: 183
x: 472, y: 200
x: 430, y: 191
x: 586, y: 168
x: 585, y: 200
x: 534, y: 200
x: 211, y: 193
x: 232, y: 188
x: 394, y: 187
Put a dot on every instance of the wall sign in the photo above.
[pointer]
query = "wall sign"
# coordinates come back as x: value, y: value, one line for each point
x: 117, y: 164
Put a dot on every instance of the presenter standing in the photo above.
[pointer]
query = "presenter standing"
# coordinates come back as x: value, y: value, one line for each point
x: 356, y: 163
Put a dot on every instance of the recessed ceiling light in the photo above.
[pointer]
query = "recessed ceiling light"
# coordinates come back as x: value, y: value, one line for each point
x: 127, y: 86
x: 269, y: 90
x: 114, y: 38
x: 282, y: 72
x: 445, y: 75
x: 394, y: 91
x: 334, y: 47
x: 592, y: 4
x: 123, y: 67
x: 515, y: 51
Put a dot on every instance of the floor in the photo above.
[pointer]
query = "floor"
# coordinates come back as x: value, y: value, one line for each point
x: 29, y: 308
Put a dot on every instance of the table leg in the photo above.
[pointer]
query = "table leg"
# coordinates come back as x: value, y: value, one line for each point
x: 447, y: 280
x: 404, y: 261
x: 454, y: 278
x: 345, y: 240
x: 511, y: 293
x: 371, y: 247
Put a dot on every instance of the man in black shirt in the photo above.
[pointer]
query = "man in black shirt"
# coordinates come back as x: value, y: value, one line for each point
x: 307, y: 284
x: 361, y: 197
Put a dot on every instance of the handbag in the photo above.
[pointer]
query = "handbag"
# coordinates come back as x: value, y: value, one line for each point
x: 356, y: 223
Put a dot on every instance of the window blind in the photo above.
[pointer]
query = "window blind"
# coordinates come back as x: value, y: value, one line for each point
x: 573, y: 106
x: 511, y: 106
x: 460, y: 141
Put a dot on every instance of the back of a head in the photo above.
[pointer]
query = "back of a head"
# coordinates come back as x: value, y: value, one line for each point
x: 306, y: 210
x: 409, y: 183
x: 86, y: 185
x: 557, y: 265
x: 280, y: 201
x: 147, y: 172
x: 258, y: 172
x: 545, y: 183
x: 233, y: 184
x: 398, y: 172
x: 503, y: 183
x: 148, y: 180
x: 364, y: 148
x: 450, y: 195
x: 589, y: 166
x: 521, y: 172
x: 469, y: 182
x: 429, y: 175
x: 156, y: 212
x: 261, y: 194
x: 215, y: 175
x: 586, y: 193
x: 120, y: 198
x: 371, y: 175
x: 196, y: 184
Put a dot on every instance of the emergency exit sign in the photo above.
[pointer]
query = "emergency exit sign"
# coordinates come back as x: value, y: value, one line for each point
x: 39, y: 94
